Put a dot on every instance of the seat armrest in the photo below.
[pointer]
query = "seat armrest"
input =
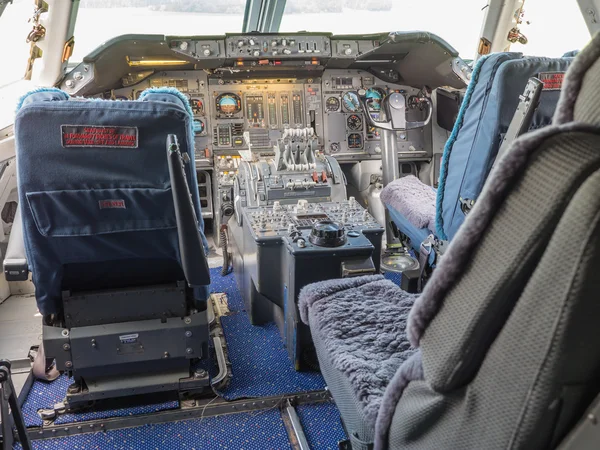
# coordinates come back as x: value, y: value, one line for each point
x: 191, y: 248
x: 413, y: 199
x: 15, y: 261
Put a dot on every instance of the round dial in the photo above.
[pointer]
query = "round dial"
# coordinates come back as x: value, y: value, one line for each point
x: 351, y: 102
x: 354, y: 122
x: 198, y: 126
x: 197, y: 105
x: 228, y: 104
x: 332, y: 104
x: 374, y: 96
x: 326, y: 233
x: 355, y: 140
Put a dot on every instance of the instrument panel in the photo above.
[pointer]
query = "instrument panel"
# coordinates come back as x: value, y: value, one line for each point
x: 347, y: 134
x: 233, y: 113
x: 280, y: 96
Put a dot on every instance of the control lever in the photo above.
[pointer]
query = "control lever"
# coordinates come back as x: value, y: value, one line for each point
x: 227, y: 210
x: 394, y: 108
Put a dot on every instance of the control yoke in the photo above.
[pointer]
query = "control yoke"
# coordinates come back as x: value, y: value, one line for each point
x: 394, y: 106
x: 393, y: 118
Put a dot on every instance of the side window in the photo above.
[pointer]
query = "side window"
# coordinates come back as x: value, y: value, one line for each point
x: 556, y: 27
x: 14, y: 51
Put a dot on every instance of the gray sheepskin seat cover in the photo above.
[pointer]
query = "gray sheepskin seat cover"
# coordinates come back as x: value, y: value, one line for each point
x: 362, y: 324
x: 413, y: 199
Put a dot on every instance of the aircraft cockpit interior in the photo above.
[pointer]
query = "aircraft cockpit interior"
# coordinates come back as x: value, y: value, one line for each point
x: 296, y: 225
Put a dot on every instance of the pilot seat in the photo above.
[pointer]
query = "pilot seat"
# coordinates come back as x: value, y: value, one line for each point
x: 489, y: 104
x: 109, y: 223
x: 501, y: 349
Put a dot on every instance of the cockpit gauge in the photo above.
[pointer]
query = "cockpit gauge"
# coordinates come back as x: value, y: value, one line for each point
x: 228, y: 104
x: 332, y: 104
x: 197, y: 105
x: 374, y: 96
x: 355, y: 140
x: 351, y: 102
x: 354, y: 122
x: 199, y: 127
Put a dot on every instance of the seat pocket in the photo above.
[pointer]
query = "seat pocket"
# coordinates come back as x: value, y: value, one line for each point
x: 101, y: 211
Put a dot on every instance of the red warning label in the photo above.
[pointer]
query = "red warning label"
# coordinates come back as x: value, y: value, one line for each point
x: 95, y: 136
x: 112, y: 204
x: 552, y: 81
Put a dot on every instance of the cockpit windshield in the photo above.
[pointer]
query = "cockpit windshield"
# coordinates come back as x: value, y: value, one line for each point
x: 101, y: 20
x: 458, y: 22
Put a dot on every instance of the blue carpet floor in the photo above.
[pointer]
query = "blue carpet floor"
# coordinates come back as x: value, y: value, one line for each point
x: 322, y: 425
x: 227, y: 285
x: 260, y: 364
x: 393, y: 277
x: 249, y: 431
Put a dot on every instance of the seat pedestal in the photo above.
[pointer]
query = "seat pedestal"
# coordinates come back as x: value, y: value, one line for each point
x: 119, y: 356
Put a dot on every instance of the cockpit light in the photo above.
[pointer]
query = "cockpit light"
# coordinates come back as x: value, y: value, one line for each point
x: 141, y: 61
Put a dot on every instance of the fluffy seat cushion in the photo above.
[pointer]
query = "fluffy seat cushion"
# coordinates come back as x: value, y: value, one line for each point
x: 361, y: 322
x: 413, y: 199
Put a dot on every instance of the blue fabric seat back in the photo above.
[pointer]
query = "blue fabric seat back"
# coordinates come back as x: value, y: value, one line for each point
x: 94, y: 190
x: 489, y: 106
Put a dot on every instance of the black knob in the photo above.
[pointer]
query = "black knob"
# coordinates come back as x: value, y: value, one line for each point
x: 326, y: 233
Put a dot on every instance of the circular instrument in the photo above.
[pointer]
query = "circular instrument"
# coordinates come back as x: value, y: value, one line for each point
x: 351, y: 102
x: 197, y: 106
x: 374, y: 96
x: 332, y: 104
x: 326, y: 233
x: 199, y: 126
x: 354, y: 122
x: 228, y: 104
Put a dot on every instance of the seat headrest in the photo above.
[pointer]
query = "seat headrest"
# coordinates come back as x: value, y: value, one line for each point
x: 42, y: 95
x: 580, y: 94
